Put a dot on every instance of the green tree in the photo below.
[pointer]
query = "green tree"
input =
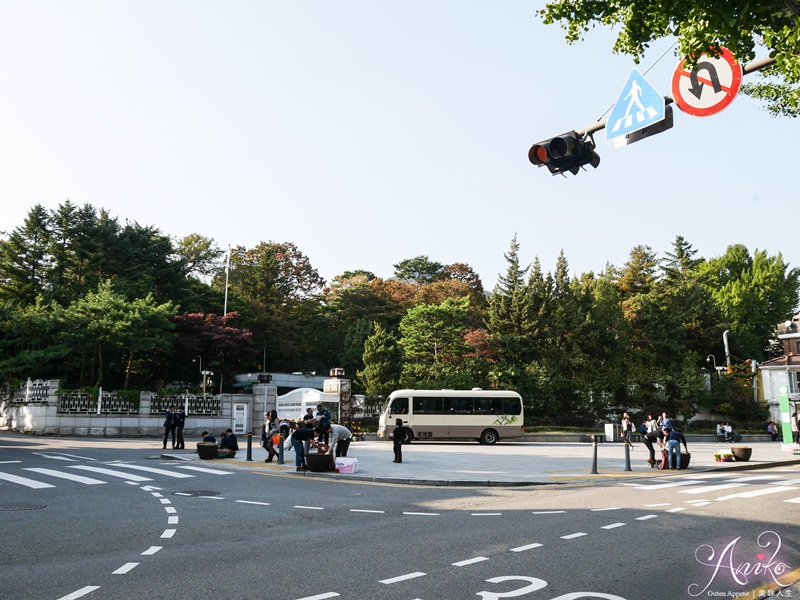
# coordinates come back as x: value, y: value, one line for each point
x: 25, y: 260
x: 699, y: 27
x: 382, y: 363
x: 419, y: 269
x: 754, y: 293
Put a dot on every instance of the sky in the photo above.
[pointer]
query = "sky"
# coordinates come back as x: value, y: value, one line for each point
x: 370, y: 132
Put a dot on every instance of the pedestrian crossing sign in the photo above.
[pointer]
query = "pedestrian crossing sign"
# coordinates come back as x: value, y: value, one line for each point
x: 639, y: 105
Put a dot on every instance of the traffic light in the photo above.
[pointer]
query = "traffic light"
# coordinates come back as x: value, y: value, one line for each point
x: 567, y: 152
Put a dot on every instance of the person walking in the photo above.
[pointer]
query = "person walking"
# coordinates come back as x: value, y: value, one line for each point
x: 169, y: 427
x: 674, y: 439
x: 398, y: 437
x: 180, y: 421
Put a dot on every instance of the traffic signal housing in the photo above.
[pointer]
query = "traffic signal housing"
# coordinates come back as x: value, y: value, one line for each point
x: 567, y: 152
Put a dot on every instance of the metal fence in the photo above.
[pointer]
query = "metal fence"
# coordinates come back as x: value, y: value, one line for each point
x: 37, y: 390
x: 107, y: 404
x: 195, y: 405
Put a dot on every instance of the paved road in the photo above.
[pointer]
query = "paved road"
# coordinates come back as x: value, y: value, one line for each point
x: 511, y: 463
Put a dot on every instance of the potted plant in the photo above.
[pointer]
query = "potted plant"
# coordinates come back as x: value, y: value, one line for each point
x: 742, y: 453
x: 723, y: 456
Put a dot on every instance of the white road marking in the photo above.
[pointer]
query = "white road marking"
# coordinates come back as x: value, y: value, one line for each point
x: 549, y: 512
x: 572, y: 536
x: 173, y: 520
x: 602, y: 509
x: 163, y: 472
x: 469, y: 561
x: 80, y: 593
x: 613, y: 525
x: 646, y: 517
x: 111, y: 472
x: 400, y: 578
x: 321, y: 596
x: 69, y: 476
x: 253, y: 502
x: 31, y: 483
x: 756, y: 493
x: 151, y: 550
x: 496, y: 514
x: 364, y: 510
x: 168, y: 533
x: 527, y: 547
x: 125, y: 568
x: 310, y: 507
x: 421, y: 514
x: 205, y: 470
x: 711, y: 488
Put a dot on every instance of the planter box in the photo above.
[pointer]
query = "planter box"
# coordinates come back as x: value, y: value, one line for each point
x: 207, y: 450
x: 742, y: 453
x: 685, y: 458
x: 320, y: 463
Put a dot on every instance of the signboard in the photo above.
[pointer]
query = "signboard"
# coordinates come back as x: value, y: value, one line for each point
x: 639, y: 104
x: 709, y: 87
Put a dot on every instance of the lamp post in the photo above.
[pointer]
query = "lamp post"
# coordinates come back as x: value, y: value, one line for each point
x: 713, y: 360
x: 205, y: 375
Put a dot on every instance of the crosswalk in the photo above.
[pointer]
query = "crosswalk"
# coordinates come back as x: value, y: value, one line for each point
x: 38, y: 478
x: 721, y: 487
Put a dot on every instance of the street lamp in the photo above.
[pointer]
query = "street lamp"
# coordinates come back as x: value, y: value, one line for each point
x: 205, y: 375
x: 713, y: 360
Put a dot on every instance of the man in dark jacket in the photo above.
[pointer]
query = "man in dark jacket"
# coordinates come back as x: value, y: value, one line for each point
x: 649, y: 439
x: 169, y: 426
x: 180, y: 421
x: 674, y: 440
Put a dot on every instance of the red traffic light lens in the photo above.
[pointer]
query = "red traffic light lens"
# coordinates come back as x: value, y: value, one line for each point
x: 538, y: 154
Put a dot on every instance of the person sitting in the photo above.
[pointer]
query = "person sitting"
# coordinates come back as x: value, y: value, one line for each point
x: 226, y: 448
x: 207, y: 437
x: 773, y: 431
x: 232, y: 441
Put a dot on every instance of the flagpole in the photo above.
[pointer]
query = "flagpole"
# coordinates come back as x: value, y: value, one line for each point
x: 227, y: 268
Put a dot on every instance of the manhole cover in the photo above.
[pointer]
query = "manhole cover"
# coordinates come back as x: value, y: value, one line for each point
x: 195, y: 493
x: 21, y: 506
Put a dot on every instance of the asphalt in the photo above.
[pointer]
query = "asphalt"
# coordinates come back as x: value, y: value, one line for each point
x: 507, y: 464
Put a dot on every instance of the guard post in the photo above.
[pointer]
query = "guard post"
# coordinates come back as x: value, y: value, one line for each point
x: 250, y: 447
x: 594, y: 457
x: 280, y: 451
x: 628, y: 452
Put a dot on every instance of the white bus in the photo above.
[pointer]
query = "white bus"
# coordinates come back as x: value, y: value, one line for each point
x: 486, y: 416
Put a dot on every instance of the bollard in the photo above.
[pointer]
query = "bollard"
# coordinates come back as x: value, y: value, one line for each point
x: 249, y: 447
x: 628, y: 454
x: 280, y: 451
x: 594, y: 460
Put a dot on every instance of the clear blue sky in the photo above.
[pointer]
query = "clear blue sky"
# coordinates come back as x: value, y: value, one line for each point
x: 369, y: 132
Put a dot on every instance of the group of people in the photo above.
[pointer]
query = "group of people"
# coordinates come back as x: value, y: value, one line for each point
x: 314, y: 430
x: 658, y: 432
x: 173, y: 426
x: 228, y: 443
x: 727, y: 433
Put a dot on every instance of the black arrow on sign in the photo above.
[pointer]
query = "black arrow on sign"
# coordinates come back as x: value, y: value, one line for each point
x: 697, y: 86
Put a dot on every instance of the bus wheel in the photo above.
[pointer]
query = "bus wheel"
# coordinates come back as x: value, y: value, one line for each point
x: 489, y: 436
x: 409, y: 436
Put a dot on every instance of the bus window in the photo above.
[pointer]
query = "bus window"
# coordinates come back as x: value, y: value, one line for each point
x: 399, y: 406
x: 430, y: 406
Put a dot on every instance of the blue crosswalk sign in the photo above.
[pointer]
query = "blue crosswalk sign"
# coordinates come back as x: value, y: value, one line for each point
x: 639, y: 105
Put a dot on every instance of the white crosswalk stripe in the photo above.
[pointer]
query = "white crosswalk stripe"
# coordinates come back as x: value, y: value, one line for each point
x: 31, y: 483
x: 163, y: 472
x: 754, y: 486
x: 111, y: 473
x: 63, y: 475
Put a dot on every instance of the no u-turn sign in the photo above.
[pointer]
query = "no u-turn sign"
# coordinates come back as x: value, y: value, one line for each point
x: 709, y: 87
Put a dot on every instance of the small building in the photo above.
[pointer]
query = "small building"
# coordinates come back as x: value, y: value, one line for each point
x: 782, y: 372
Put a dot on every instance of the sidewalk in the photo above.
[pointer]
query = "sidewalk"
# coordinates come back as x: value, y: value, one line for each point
x: 510, y: 463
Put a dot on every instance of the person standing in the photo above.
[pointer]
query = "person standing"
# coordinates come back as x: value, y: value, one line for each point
x: 626, y: 426
x: 169, y: 427
x: 795, y: 429
x: 664, y: 422
x: 398, y: 437
x: 674, y: 440
x: 180, y: 421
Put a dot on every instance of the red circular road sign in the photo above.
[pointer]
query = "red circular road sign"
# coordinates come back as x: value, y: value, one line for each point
x: 709, y: 87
